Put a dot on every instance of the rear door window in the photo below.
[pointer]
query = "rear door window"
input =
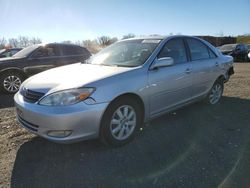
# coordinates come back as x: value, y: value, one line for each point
x: 198, y: 50
x: 211, y: 53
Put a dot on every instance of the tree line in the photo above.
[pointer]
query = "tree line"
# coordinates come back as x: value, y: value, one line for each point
x: 19, y: 42
x: 92, y: 45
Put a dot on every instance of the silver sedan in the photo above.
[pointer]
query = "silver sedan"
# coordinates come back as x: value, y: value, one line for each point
x: 122, y: 87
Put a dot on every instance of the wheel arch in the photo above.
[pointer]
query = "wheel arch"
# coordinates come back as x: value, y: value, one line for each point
x: 13, y: 69
x: 133, y: 96
x: 127, y: 95
x: 221, y: 77
x: 123, y: 96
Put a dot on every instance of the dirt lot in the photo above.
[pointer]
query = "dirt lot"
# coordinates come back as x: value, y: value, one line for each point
x: 197, y: 146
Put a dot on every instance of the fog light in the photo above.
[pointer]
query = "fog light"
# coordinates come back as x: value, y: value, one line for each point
x: 59, y: 134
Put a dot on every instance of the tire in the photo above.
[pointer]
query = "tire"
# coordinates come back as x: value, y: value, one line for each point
x: 10, y: 82
x: 120, y: 122
x: 215, y: 92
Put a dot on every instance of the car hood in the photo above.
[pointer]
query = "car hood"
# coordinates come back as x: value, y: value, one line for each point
x: 70, y: 76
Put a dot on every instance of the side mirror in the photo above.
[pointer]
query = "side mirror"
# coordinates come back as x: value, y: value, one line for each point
x: 162, y: 62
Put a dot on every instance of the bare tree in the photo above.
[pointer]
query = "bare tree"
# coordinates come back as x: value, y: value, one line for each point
x: 87, y: 43
x: 79, y: 43
x: 35, y: 40
x: 130, y: 35
x: 23, y: 41
x: 104, y: 41
x: 13, y: 43
x: 2, y: 42
x: 91, y: 45
x: 114, y: 39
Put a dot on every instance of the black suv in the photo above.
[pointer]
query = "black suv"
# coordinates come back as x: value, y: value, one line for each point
x: 37, y: 58
x: 238, y: 51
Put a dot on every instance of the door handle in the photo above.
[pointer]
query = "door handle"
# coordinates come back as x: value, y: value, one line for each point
x: 188, y: 71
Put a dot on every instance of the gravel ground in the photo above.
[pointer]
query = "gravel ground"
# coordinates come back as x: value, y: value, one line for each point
x: 197, y: 146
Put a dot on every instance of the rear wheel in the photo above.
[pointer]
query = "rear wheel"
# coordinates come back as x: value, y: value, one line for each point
x: 121, y: 122
x: 10, y: 82
x: 215, y: 93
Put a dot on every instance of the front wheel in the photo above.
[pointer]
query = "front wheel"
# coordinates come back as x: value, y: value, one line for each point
x: 10, y: 82
x: 120, y: 122
x: 215, y: 93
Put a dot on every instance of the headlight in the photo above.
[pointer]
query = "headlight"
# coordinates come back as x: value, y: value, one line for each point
x: 66, y: 97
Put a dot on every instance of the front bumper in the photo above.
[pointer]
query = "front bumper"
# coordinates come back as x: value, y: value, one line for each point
x: 81, y: 118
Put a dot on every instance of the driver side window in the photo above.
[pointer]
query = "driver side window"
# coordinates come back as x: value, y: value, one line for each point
x: 174, y: 48
x: 44, y: 52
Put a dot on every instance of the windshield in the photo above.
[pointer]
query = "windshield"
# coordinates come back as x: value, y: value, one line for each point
x: 129, y: 53
x: 26, y: 51
x: 1, y: 51
x: 228, y: 47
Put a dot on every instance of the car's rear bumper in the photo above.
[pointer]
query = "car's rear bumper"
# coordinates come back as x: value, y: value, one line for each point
x: 81, y: 120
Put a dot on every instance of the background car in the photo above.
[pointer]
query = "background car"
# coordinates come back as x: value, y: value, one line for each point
x: 37, y: 58
x: 9, y: 52
x: 248, y: 46
x: 238, y: 51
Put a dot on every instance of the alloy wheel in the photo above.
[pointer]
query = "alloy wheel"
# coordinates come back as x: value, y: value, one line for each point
x: 123, y: 122
x: 12, y: 83
x: 215, y: 94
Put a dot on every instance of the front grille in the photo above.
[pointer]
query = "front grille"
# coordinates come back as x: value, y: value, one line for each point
x: 28, y: 125
x: 31, y: 96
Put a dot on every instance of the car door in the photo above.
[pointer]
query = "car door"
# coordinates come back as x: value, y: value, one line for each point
x: 170, y: 86
x: 42, y: 59
x: 205, y: 66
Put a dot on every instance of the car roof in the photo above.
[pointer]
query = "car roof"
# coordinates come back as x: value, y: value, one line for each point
x: 160, y: 37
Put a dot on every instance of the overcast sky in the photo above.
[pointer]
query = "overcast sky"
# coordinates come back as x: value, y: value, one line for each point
x: 59, y: 20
